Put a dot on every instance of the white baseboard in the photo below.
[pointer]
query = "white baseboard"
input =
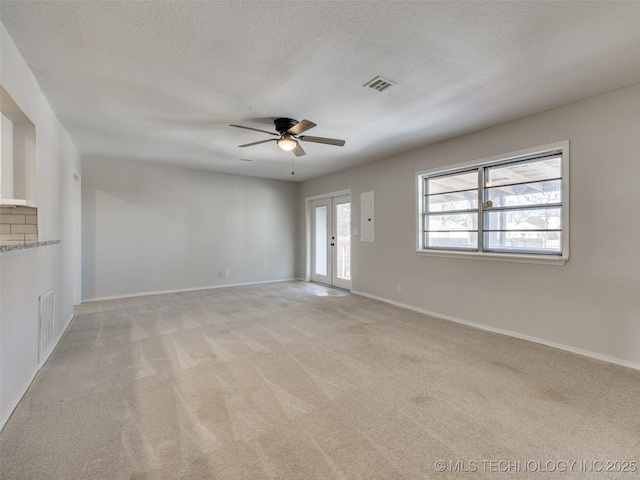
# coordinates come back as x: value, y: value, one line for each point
x: 193, y: 289
x: 12, y: 406
x: 579, y: 351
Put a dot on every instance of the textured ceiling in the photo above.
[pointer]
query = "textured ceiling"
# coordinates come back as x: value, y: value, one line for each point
x: 160, y: 81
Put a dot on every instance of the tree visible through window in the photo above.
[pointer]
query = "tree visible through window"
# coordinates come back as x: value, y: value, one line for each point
x: 511, y: 205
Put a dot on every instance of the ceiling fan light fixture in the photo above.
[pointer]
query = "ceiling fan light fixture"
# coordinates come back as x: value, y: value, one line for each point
x: 287, y: 143
x: 289, y: 131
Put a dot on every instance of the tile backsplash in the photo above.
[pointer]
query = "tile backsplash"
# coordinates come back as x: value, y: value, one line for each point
x: 18, y: 225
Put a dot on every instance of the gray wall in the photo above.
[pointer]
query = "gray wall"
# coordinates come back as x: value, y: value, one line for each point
x: 25, y: 274
x: 592, y: 304
x: 151, y: 228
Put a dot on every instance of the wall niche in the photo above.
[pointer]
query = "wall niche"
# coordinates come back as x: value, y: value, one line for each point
x: 17, y: 155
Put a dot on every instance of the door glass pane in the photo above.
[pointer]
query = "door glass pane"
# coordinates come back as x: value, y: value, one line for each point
x: 343, y: 241
x: 321, y: 240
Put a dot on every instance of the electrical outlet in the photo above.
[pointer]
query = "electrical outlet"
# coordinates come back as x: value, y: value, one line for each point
x: 399, y: 288
x: 220, y: 273
x: 226, y: 273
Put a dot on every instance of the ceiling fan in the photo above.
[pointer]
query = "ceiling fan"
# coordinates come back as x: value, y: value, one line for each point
x: 289, y: 131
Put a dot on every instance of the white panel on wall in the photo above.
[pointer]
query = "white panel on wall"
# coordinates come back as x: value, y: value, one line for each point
x: 366, y: 217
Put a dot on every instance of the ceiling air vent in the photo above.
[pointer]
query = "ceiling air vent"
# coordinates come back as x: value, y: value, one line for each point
x: 379, y: 83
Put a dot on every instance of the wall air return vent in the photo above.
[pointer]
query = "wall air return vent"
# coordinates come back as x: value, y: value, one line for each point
x: 379, y: 83
x: 46, y: 320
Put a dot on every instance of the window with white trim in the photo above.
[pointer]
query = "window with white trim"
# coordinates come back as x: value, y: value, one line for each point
x: 511, y: 206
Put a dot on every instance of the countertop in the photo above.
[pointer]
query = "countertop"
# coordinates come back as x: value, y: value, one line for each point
x: 24, y: 246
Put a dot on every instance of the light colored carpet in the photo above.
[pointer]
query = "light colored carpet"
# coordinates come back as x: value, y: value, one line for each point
x: 297, y: 381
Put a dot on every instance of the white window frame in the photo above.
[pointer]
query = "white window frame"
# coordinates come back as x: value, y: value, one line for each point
x: 561, y: 147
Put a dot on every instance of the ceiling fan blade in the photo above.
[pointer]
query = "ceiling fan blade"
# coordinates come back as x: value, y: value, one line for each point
x: 301, y: 126
x: 254, y: 129
x: 328, y: 141
x: 258, y: 143
x: 298, y: 151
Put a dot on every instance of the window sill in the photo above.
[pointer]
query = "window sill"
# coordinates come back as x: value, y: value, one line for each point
x: 498, y: 257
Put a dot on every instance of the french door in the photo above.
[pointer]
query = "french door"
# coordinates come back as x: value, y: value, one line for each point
x: 331, y: 241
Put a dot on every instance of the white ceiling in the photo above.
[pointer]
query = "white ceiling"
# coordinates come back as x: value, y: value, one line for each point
x: 161, y: 81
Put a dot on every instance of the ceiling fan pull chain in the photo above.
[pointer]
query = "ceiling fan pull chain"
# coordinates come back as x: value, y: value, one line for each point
x: 292, y: 165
